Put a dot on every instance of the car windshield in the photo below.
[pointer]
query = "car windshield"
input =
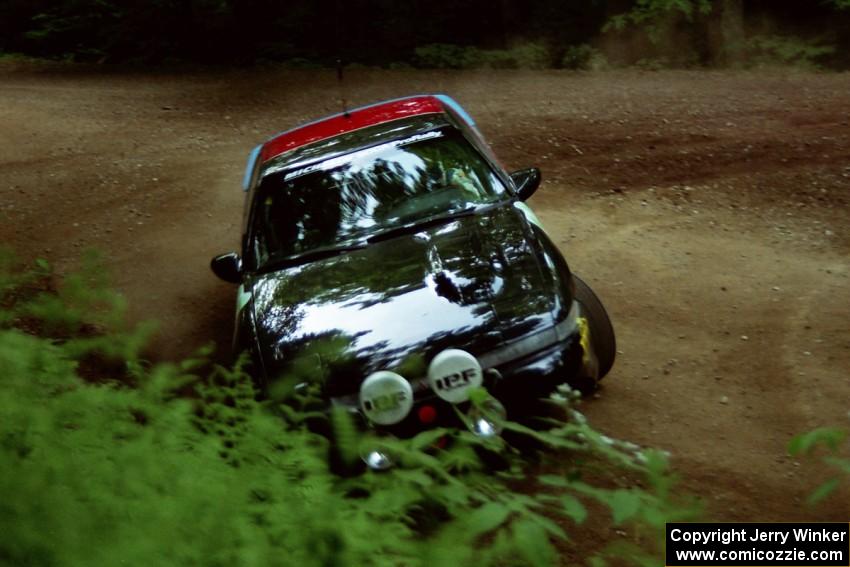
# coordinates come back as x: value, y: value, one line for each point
x: 345, y: 200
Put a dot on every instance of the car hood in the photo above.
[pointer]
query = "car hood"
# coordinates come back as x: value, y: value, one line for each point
x: 471, y: 283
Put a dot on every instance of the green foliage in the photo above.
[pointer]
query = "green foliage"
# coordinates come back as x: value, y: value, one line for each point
x: 74, y: 313
x: 651, y: 15
x: 834, y: 441
x: 583, y: 57
x: 699, y: 32
x: 839, y: 4
x: 805, y: 443
x: 654, y: 63
x: 112, y: 463
x: 12, y: 59
x: 303, y: 34
x: 89, y: 21
x: 448, y: 56
x: 786, y: 50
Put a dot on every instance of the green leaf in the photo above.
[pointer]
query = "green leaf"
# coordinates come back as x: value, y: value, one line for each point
x: 478, y: 396
x: 656, y: 461
x: 487, y: 518
x: 822, y: 491
x: 552, y: 480
x: 427, y: 438
x: 553, y: 529
x: 804, y: 443
x: 841, y: 464
x: 532, y: 543
x: 417, y: 477
x: 574, y: 508
x: 461, y: 458
x: 624, y: 505
x: 345, y: 435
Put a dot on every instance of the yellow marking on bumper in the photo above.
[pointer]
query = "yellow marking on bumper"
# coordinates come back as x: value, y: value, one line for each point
x: 584, y: 334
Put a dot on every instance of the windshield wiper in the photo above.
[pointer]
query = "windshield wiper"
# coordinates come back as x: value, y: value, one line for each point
x: 311, y: 256
x: 422, y: 224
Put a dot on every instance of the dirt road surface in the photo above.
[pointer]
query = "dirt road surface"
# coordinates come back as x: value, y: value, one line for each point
x: 709, y: 210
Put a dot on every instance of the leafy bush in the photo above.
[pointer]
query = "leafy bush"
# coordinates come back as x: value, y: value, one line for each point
x: 525, y: 56
x: 583, y: 57
x: 833, y: 439
x: 101, y: 462
x: 786, y: 50
x: 445, y: 56
x: 654, y: 64
x: 653, y: 15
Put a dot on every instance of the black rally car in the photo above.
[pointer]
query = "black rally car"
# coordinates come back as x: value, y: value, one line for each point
x: 387, y: 255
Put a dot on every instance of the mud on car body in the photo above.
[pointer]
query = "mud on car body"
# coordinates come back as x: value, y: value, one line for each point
x: 388, y: 256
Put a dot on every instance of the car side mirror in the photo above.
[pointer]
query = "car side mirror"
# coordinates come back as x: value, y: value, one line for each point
x: 228, y: 267
x: 526, y: 182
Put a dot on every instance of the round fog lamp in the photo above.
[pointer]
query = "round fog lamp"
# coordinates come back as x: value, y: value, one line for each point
x: 487, y: 419
x: 385, y: 397
x: 453, y: 373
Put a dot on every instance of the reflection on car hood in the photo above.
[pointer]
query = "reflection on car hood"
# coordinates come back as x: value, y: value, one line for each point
x: 470, y: 283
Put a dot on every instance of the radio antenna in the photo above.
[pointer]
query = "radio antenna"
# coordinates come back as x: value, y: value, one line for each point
x: 341, y: 38
x: 341, y: 85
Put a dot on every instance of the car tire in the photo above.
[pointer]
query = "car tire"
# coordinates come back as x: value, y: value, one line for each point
x: 601, y: 330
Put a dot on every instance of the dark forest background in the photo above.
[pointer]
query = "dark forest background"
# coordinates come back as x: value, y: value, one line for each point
x: 432, y: 33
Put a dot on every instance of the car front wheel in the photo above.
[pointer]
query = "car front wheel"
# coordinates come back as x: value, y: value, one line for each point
x: 601, y: 330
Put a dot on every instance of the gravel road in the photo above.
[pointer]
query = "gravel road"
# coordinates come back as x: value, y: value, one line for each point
x: 708, y: 209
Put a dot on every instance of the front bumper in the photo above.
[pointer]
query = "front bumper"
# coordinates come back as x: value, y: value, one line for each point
x: 513, y: 375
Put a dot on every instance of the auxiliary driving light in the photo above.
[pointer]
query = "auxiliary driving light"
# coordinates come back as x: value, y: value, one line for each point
x: 453, y: 373
x: 385, y: 397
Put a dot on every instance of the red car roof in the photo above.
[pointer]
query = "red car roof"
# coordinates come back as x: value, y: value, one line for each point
x: 356, y: 119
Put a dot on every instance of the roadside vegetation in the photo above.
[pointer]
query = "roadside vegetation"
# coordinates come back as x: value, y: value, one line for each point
x: 830, y: 445
x: 104, y: 456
